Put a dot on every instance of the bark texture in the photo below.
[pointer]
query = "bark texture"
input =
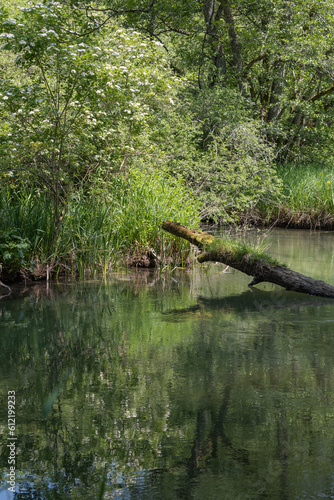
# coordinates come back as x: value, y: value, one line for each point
x: 258, y: 268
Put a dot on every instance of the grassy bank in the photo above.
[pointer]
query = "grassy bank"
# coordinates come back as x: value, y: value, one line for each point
x: 308, y: 198
x: 102, y: 229
x: 119, y: 224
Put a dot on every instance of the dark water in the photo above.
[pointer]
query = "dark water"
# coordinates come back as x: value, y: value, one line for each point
x: 190, y: 386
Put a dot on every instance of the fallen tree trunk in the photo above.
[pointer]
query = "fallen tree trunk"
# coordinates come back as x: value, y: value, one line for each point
x: 259, y: 268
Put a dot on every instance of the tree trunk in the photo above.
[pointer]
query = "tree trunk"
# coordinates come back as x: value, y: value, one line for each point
x: 259, y: 268
x: 212, y: 17
x: 234, y: 42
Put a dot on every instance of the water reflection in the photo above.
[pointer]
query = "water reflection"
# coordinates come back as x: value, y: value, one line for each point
x: 195, y: 387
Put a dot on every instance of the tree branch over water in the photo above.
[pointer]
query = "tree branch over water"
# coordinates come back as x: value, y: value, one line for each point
x: 260, y: 266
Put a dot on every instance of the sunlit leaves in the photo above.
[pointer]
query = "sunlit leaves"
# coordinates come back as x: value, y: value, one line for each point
x: 285, y: 53
x: 76, y: 91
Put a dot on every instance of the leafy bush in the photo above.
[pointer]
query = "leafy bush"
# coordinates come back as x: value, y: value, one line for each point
x: 234, y: 174
x: 72, y: 106
x: 14, y: 251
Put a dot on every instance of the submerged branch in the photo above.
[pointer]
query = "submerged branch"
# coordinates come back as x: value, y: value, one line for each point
x: 8, y: 288
x: 260, y: 267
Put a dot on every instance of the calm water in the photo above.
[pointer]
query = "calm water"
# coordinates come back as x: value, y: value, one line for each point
x: 190, y: 386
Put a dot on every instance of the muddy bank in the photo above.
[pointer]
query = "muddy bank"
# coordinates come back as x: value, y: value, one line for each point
x: 65, y: 271
x: 288, y: 219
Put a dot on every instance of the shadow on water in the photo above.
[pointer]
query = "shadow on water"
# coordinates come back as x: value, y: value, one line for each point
x: 249, y: 301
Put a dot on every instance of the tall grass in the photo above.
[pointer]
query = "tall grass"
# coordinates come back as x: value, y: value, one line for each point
x: 27, y: 214
x: 308, y: 197
x: 308, y: 187
x: 241, y: 244
x: 142, y: 202
x: 100, y: 228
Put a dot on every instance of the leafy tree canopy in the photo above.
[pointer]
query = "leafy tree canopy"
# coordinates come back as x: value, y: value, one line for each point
x: 276, y: 54
x: 94, y: 88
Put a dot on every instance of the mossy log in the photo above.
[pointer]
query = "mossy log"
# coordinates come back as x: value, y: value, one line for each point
x: 258, y: 267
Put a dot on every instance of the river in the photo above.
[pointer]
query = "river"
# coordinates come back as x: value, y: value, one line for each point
x: 187, y: 385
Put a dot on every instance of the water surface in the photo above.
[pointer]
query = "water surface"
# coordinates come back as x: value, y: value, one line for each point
x: 188, y: 386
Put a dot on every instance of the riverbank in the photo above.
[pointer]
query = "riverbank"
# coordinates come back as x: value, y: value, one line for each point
x: 121, y: 227
x: 286, y: 218
x: 115, y: 224
x: 307, y: 200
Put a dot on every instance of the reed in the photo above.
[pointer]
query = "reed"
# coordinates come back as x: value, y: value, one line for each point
x: 27, y: 213
x: 308, y: 197
x: 102, y: 227
x: 308, y: 187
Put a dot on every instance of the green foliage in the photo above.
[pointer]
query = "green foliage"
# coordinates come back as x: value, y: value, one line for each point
x: 14, y: 251
x: 90, y: 93
x: 144, y: 201
x: 308, y: 187
x: 238, y: 173
x: 29, y: 212
x: 99, y: 228
x: 26, y: 226
x: 276, y: 54
x: 307, y: 199
x: 240, y: 246
x: 80, y: 101
x: 125, y: 218
x: 219, y: 150
x: 233, y: 172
